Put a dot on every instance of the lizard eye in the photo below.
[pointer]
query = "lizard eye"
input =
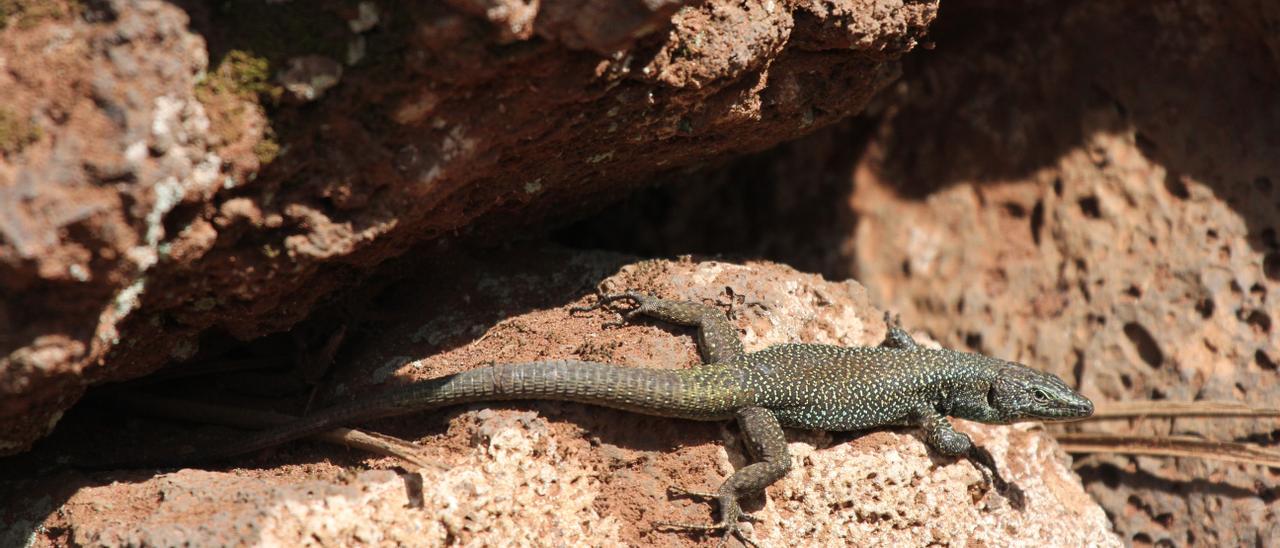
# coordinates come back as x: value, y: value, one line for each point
x: 1040, y: 396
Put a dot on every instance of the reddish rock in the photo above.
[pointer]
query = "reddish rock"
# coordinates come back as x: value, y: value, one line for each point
x: 554, y: 473
x: 169, y: 171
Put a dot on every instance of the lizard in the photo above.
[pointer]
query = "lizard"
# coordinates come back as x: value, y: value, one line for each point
x: 799, y: 385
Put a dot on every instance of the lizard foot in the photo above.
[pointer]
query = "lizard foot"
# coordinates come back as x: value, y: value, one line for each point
x: 640, y: 299
x: 682, y: 492
x: 730, y: 517
x: 730, y: 530
x: 991, y: 474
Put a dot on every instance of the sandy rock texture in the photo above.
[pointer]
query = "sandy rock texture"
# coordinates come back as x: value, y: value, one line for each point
x: 174, y: 169
x: 1089, y: 187
x: 551, y: 473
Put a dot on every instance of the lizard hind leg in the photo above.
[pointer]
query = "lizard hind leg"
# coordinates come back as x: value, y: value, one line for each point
x: 765, y: 442
x: 940, y: 435
x: 717, y: 338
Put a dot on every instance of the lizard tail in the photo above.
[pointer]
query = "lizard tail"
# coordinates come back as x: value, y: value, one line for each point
x: 699, y: 394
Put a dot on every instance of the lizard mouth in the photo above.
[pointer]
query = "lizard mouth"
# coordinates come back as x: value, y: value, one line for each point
x: 1078, y: 409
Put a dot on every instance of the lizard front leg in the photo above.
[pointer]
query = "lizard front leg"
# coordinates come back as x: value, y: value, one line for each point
x: 717, y: 339
x: 941, y: 436
x: 767, y: 444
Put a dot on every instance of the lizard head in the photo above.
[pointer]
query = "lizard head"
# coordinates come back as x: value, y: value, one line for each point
x: 1019, y: 393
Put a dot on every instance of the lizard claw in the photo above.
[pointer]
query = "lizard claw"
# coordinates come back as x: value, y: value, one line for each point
x: 892, y: 320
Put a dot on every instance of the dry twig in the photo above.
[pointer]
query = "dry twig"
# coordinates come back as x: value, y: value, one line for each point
x: 1168, y: 446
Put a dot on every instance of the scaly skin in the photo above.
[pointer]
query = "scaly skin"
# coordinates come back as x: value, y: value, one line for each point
x: 796, y: 385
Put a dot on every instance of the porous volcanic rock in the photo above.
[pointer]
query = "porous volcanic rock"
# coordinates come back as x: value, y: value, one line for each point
x: 558, y: 473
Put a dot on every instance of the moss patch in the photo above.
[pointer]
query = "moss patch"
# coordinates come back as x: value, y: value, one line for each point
x: 234, y: 87
x: 241, y: 74
x: 16, y: 132
x: 249, y: 41
x: 267, y: 149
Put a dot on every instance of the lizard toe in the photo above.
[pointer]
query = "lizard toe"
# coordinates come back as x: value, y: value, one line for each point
x: 731, y: 516
x: 730, y: 529
x: 642, y: 303
x: 675, y: 490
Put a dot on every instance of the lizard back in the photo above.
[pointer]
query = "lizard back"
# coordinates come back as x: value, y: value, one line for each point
x: 836, y: 388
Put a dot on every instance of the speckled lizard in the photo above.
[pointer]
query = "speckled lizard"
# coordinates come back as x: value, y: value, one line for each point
x: 812, y: 386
